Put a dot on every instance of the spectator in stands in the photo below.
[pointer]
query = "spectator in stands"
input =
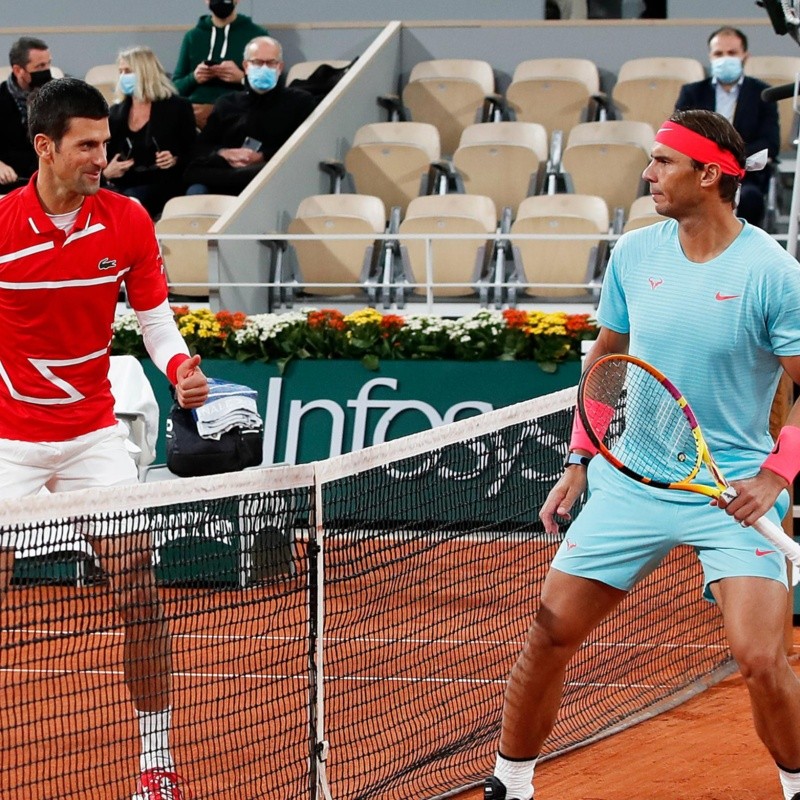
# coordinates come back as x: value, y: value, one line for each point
x: 152, y: 132
x: 738, y: 98
x: 247, y: 128
x: 30, y: 68
x: 210, y: 58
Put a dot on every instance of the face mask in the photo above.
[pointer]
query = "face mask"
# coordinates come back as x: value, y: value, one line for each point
x: 727, y: 69
x: 40, y: 78
x: 263, y: 78
x: 127, y: 83
x: 221, y: 9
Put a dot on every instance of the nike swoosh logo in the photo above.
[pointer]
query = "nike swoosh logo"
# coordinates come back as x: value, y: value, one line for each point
x: 720, y: 296
x: 760, y: 552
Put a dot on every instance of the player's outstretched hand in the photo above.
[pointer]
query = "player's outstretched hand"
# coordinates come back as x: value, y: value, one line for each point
x: 191, y: 388
x: 570, y: 486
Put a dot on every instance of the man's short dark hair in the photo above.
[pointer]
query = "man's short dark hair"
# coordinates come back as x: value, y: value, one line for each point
x: 729, y: 30
x: 716, y: 128
x: 19, y: 54
x: 55, y: 104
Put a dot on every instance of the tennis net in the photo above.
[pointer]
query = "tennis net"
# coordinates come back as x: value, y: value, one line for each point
x: 341, y: 629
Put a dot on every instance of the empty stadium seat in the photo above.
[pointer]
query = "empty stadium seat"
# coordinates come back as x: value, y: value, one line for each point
x: 576, y: 261
x: 449, y: 94
x: 337, y: 261
x: 647, y: 88
x: 555, y: 92
x: 104, y: 77
x: 186, y: 261
x: 391, y: 160
x: 608, y: 158
x: 643, y: 212
x: 777, y: 70
x: 452, y: 261
x: 501, y: 160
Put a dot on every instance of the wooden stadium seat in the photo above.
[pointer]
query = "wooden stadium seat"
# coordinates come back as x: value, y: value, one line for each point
x: 501, y: 160
x: 104, y: 77
x: 186, y: 261
x: 302, y: 69
x: 555, y: 92
x: 448, y: 93
x: 560, y: 261
x: 390, y: 160
x: 337, y: 261
x: 647, y: 88
x: 777, y: 70
x: 643, y: 212
x: 607, y: 159
x: 453, y: 261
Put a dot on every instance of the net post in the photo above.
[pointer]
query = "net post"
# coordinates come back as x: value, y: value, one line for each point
x: 318, y: 746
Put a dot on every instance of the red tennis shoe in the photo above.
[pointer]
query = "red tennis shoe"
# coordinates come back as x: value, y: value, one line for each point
x: 161, y: 784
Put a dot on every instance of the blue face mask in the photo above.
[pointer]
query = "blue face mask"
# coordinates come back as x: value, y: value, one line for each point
x: 262, y: 78
x: 127, y: 83
x: 727, y: 69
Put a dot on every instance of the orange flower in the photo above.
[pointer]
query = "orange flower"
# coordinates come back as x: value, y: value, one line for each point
x: 392, y: 321
x: 327, y: 317
x: 515, y: 318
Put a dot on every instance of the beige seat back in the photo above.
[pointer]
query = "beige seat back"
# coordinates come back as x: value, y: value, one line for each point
x: 452, y: 261
x: 449, y: 94
x: 186, y: 261
x: 554, y: 92
x: 104, y: 77
x: 337, y: 261
x: 559, y: 261
x: 303, y: 69
x: 498, y: 160
x: 777, y: 70
x: 607, y: 159
x: 647, y: 88
x: 643, y: 212
x: 389, y: 159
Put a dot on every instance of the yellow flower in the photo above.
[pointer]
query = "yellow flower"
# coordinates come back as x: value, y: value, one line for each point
x: 365, y: 316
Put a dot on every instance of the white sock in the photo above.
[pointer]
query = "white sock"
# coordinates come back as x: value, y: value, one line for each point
x: 516, y: 775
x: 790, y: 781
x: 154, y: 729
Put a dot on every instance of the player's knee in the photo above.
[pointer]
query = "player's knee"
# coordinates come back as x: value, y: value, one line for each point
x: 140, y: 604
x: 759, y: 666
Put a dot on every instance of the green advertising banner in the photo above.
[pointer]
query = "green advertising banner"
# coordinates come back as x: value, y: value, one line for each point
x: 318, y: 409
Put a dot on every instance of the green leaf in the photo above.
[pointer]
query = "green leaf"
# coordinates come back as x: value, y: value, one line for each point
x: 548, y: 366
x: 371, y: 362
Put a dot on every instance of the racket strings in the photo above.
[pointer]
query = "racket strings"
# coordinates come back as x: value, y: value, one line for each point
x: 639, y: 421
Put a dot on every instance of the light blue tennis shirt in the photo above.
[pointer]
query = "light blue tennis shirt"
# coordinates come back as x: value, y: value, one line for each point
x: 714, y: 329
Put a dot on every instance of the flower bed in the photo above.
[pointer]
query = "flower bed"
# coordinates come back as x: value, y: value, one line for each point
x: 369, y: 336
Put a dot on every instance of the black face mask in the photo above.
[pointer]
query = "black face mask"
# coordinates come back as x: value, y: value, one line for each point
x: 40, y: 78
x: 222, y: 8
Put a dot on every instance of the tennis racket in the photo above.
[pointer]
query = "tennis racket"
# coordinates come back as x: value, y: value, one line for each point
x: 642, y: 425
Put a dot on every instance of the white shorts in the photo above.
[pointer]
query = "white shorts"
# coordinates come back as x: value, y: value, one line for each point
x: 99, y: 458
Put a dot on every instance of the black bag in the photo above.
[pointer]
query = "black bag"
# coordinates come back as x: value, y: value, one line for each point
x: 189, y: 454
x: 322, y: 79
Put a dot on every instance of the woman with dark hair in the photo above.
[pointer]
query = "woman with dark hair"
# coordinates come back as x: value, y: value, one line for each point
x: 152, y: 132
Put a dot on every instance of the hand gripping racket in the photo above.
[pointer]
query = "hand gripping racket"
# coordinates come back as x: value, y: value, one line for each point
x: 641, y: 424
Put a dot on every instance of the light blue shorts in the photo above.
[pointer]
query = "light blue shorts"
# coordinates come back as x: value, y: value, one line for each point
x: 625, y: 530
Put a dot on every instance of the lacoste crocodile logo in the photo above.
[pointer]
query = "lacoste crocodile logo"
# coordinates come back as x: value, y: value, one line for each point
x: 107, y: 263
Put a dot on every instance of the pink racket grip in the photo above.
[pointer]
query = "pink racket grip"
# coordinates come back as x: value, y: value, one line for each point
x: 784, y: 458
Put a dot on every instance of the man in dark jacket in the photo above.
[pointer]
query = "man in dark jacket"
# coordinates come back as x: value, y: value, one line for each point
x: 30, y: 67
x: 738, y: 98
x: 210, y: 59
x: 246, y: 129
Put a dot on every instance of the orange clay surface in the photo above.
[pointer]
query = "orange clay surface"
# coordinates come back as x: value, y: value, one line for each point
x: 705, y: 749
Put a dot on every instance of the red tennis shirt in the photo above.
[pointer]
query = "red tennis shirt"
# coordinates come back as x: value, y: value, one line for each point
x: 58, y: 296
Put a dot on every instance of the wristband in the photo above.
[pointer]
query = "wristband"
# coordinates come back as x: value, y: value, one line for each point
x: 172, y: 367
x: 579, y: 440
x: 784, y: 458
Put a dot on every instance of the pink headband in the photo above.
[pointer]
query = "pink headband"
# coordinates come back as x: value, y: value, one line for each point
x: 698, y: 147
